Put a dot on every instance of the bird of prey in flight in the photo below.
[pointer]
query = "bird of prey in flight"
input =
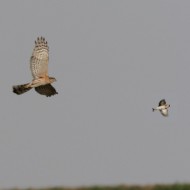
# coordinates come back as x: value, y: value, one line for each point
x: 39, y: 67
x: 162, y: 107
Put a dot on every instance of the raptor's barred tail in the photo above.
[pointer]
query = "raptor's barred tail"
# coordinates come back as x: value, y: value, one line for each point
x: 20, y: 89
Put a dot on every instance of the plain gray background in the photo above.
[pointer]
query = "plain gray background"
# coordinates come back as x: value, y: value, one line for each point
x: 113, y: 61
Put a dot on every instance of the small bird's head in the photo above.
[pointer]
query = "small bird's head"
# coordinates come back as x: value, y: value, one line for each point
x: 52, y: 79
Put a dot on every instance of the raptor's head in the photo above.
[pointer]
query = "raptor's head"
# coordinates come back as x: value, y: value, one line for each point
x: 167, y: 105
x: 52, y: 79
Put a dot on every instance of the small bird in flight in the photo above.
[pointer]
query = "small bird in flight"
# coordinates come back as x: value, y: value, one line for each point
x: 162, y: 107
x: 39, y: 67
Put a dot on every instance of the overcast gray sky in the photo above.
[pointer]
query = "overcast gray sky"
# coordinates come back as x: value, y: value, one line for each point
x: 113, y: 61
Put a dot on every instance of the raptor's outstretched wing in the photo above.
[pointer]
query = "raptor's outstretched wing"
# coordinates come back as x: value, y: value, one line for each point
x: 162, y: 102
x: 39, y: 59
x: 47, y: 90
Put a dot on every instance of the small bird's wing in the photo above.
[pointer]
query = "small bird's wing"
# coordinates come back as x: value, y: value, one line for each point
x: 39, y: 58
x: 47, y: 90
x: 164, y: 112
x: 162, y: 102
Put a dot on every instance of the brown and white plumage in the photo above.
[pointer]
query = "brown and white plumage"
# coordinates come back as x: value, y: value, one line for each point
x: 39, y: 59
x: 39, y: 69
x: 162, y: 107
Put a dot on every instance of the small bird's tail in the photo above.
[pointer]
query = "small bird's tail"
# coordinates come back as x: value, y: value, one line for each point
x: 153, y: 109
x: 20, y: 89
